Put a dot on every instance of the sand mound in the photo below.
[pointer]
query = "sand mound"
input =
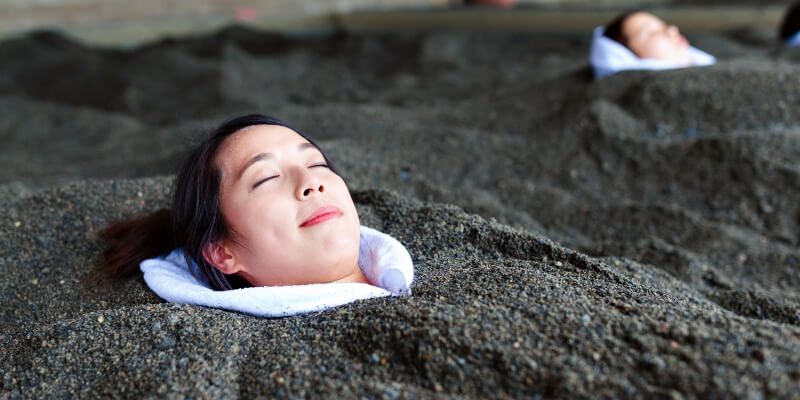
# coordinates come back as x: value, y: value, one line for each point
x: 634, y: 236
x: 495, y: 311
x: 720, y: 99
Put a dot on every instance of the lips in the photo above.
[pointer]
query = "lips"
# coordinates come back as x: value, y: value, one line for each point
x: 321, y: 215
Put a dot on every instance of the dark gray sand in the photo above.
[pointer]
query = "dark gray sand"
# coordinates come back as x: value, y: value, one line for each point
x: 633, y: 237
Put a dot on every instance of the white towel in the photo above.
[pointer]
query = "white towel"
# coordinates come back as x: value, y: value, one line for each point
x: 381, y: 257
x: 794, y: 40
x: 608, y: 57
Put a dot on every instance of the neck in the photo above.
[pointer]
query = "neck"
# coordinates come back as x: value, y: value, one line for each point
x: 356, y: 276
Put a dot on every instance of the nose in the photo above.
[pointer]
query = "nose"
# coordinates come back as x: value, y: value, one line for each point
x: 308, y: 185
x: 673, y: 30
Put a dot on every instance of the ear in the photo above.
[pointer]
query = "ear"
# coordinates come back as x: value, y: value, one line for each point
x: 218, y: 255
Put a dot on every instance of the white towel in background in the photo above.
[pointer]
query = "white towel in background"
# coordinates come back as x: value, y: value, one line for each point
x: 381, y: 257
x: 608, y: 57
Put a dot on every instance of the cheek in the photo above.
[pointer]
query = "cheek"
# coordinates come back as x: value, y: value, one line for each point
x: 342, y: 194
x: 643, y: 49
x: 267, y: 246
x: 664, y: 48
x: 351, y: 222
x: 261, y: 225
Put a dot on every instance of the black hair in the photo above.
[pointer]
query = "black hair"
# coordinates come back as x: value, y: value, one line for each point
x: 791, y: 22
x: 195, y: 218
x: 614, y: 28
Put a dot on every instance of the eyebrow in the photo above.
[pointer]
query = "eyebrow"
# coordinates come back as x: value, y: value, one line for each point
x: 266, y: 156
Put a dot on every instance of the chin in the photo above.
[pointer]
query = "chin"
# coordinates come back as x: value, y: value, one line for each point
x: 342, y: 243
x: 683, y: 52
x: 679, y: 57
x: 686, y: 59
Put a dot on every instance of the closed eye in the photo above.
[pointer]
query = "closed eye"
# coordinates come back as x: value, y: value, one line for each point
x: 321, y: 164
x: 264, y: 180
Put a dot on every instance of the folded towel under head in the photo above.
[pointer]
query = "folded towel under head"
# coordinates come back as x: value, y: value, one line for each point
x: 794, y: 40
x: 382, y: 259
x: 608, y: 57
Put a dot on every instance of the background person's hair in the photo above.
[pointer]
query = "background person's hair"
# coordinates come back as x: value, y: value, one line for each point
x: 614, y: 28
x: 791, y: 22
x: 195, y: 219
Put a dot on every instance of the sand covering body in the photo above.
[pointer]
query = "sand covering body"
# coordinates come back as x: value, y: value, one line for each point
x: 381, y: 258
x: 608, y: 57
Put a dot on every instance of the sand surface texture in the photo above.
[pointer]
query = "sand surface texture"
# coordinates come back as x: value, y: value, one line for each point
x: 632, y: 237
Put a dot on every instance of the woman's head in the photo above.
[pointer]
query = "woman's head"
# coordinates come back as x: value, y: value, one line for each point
x: 259, y: 204
x: 648, y: 36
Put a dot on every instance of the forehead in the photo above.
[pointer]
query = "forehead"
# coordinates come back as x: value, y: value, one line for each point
x: 259, y: 139
x: 240, y: 146
x: 636, y: 22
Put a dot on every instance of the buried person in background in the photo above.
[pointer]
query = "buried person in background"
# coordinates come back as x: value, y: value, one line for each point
x: 257, y: 205
x: 640, y: 40
x: 490, y: 3
x: 483, y: 3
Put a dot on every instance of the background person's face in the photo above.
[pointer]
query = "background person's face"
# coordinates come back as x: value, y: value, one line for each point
x: 292, y: 218
x: 650, y: 37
